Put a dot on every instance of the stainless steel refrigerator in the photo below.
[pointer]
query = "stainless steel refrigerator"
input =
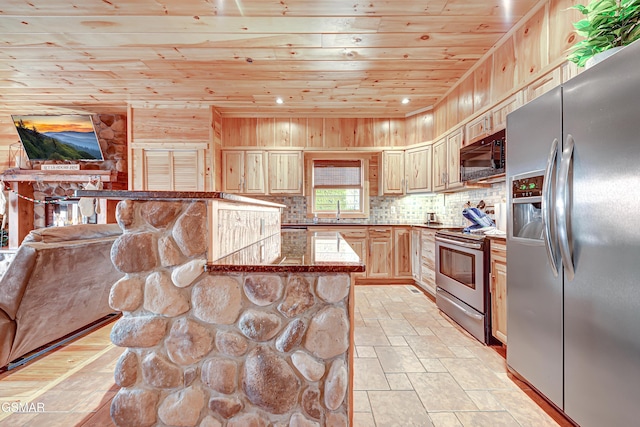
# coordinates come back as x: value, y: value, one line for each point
x: 573, y: 243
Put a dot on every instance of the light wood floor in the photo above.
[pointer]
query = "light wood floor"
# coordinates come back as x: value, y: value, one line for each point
x: 413, y: 367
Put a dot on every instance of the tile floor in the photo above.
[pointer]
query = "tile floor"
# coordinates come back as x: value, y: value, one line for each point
x: 413, y: 367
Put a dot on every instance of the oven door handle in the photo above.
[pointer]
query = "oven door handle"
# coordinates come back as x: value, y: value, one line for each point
x: 468, y: 245
x: 461, y: 308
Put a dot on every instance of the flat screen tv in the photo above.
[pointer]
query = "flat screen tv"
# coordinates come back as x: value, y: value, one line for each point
x: 58, y: 137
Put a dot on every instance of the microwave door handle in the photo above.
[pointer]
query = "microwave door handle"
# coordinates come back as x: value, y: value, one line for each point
x: 563, y: 207
x: 547, y: 200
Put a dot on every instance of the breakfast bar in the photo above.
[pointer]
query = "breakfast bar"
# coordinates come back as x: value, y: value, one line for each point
x: 228, y: 320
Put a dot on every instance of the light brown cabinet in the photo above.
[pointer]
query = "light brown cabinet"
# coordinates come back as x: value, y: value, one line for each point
x: 446, y: 161
x: 543, y: 84
x: 380, y: 255
x: 500, y: 111
x: 392, y: 179
x: 168, y: 170
x: 499, y: 290
x: 439, y: 165
x: 418, y: 169
x: 454, y: 143
x: 428, y: 260
x: 478, y: 128
x: 416, y: 254
x: 285, y: 172
x: 243, y: 172
x: 357, y: 239
x: 402, y: 252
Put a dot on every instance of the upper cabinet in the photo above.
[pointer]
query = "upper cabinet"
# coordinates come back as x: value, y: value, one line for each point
x: 418, y: 169
x: 446, y: 162
x: 439, y: 165
x: 500, y: 111
x: 392, y: 178
x: 285, y: 172
x: 478, y: 128
x: 243, y: 172
x: 543, y: 84
x: 168, y: 170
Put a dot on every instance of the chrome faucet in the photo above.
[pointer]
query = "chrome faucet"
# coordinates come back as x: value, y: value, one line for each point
x: 338, y: 211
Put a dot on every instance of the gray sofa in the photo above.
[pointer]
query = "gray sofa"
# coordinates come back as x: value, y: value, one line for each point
x: 58, y: 282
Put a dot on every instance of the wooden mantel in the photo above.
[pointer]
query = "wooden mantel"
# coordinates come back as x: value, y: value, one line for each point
x: 20, y: 211
x: 36, y: 175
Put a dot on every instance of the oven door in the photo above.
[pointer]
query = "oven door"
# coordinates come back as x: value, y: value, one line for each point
x: 460, y: 270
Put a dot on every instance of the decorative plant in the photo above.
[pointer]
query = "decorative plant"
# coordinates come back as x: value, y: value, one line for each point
x: 608, y: 23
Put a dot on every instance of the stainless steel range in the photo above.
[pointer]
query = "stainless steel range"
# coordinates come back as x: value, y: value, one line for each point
x: 462, y: 276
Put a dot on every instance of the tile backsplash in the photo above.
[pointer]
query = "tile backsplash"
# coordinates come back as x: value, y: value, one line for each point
x: 411, y: 209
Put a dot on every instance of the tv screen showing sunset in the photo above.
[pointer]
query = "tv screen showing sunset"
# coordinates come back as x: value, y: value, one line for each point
x: 60, y: 137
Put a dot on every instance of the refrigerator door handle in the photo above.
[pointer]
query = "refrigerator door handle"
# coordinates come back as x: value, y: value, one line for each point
x: 563, y: 206
x: 547, y: 187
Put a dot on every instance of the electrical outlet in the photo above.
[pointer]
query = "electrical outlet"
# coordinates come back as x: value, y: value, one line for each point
x: 393, y: 210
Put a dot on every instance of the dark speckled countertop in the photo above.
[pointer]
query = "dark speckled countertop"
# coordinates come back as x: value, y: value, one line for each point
x: 435, y: 226
x: 293, y: 251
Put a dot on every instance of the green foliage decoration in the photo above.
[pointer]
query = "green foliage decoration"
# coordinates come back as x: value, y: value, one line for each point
x: 607, y: 24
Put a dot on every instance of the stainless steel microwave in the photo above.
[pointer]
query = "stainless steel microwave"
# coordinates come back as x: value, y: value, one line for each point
x: 483, y: 159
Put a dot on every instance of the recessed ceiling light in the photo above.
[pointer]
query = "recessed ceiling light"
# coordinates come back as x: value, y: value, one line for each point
x: 405, y: 100
x: 279, y: 101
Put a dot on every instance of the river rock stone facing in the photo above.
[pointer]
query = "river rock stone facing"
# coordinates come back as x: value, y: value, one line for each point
x: 298, y: 297
x: 258, y: 325
x: 134, y: 408
x: 217, y: 299
x: 158, y: 372
x: 218, y: 349
x: 231, y: 343
x: 328, y: 333
x: 291, y: 336
x: 188, y: 342
x: 126, y: 294
x: 169, y: 252
x: 161, y: 297
x: 220, y: 375
x: 333, y: 288
x: 182, y: 408
x: 126, y: 372
x: 269, y: 382
x: 134, y: 253
x: 144, y: 331
x: 159, y: 214
x: 263, y: 290
x: 190, y: 231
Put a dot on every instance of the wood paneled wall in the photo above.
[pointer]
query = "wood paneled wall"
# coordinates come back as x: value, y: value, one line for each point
x: 325, y: 133
x: 536, y: 45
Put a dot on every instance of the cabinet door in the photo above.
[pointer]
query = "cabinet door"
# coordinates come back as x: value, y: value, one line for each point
x: 454, y: 142
x: 402, y: 252
x: 380, y: 256
x: 416, y: 254
x: 418, y: 169
x: 440, y: 165
x: 232, y: 171
x: 478, y: 128
x: 428, y: 265
x: 285, y: 172
x: 500, y: 111
x: 172, y: 170
x: 499, y: 290
x: 254, y: 173
x: 392, y: 176
x: 543, y: 84
x: 357, y: 239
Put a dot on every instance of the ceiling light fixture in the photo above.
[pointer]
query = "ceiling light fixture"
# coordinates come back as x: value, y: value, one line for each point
x: 279, y: 101
x: 405, y: 100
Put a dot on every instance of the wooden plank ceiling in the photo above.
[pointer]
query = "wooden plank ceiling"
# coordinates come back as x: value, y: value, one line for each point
x: 345, y: 58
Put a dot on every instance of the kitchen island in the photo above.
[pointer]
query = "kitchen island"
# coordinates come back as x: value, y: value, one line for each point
x: 262, y: 335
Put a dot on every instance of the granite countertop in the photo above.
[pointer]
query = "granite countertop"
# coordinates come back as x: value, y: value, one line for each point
x: 173, y: 196
x: 293, y: 251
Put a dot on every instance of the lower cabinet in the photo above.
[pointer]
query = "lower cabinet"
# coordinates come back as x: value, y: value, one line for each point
x: 416, y: 254
x: 498, y: 290
x: 380, y: 256
x: 428, y: 260
x: 402, y: 252
x: 385, y: 250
